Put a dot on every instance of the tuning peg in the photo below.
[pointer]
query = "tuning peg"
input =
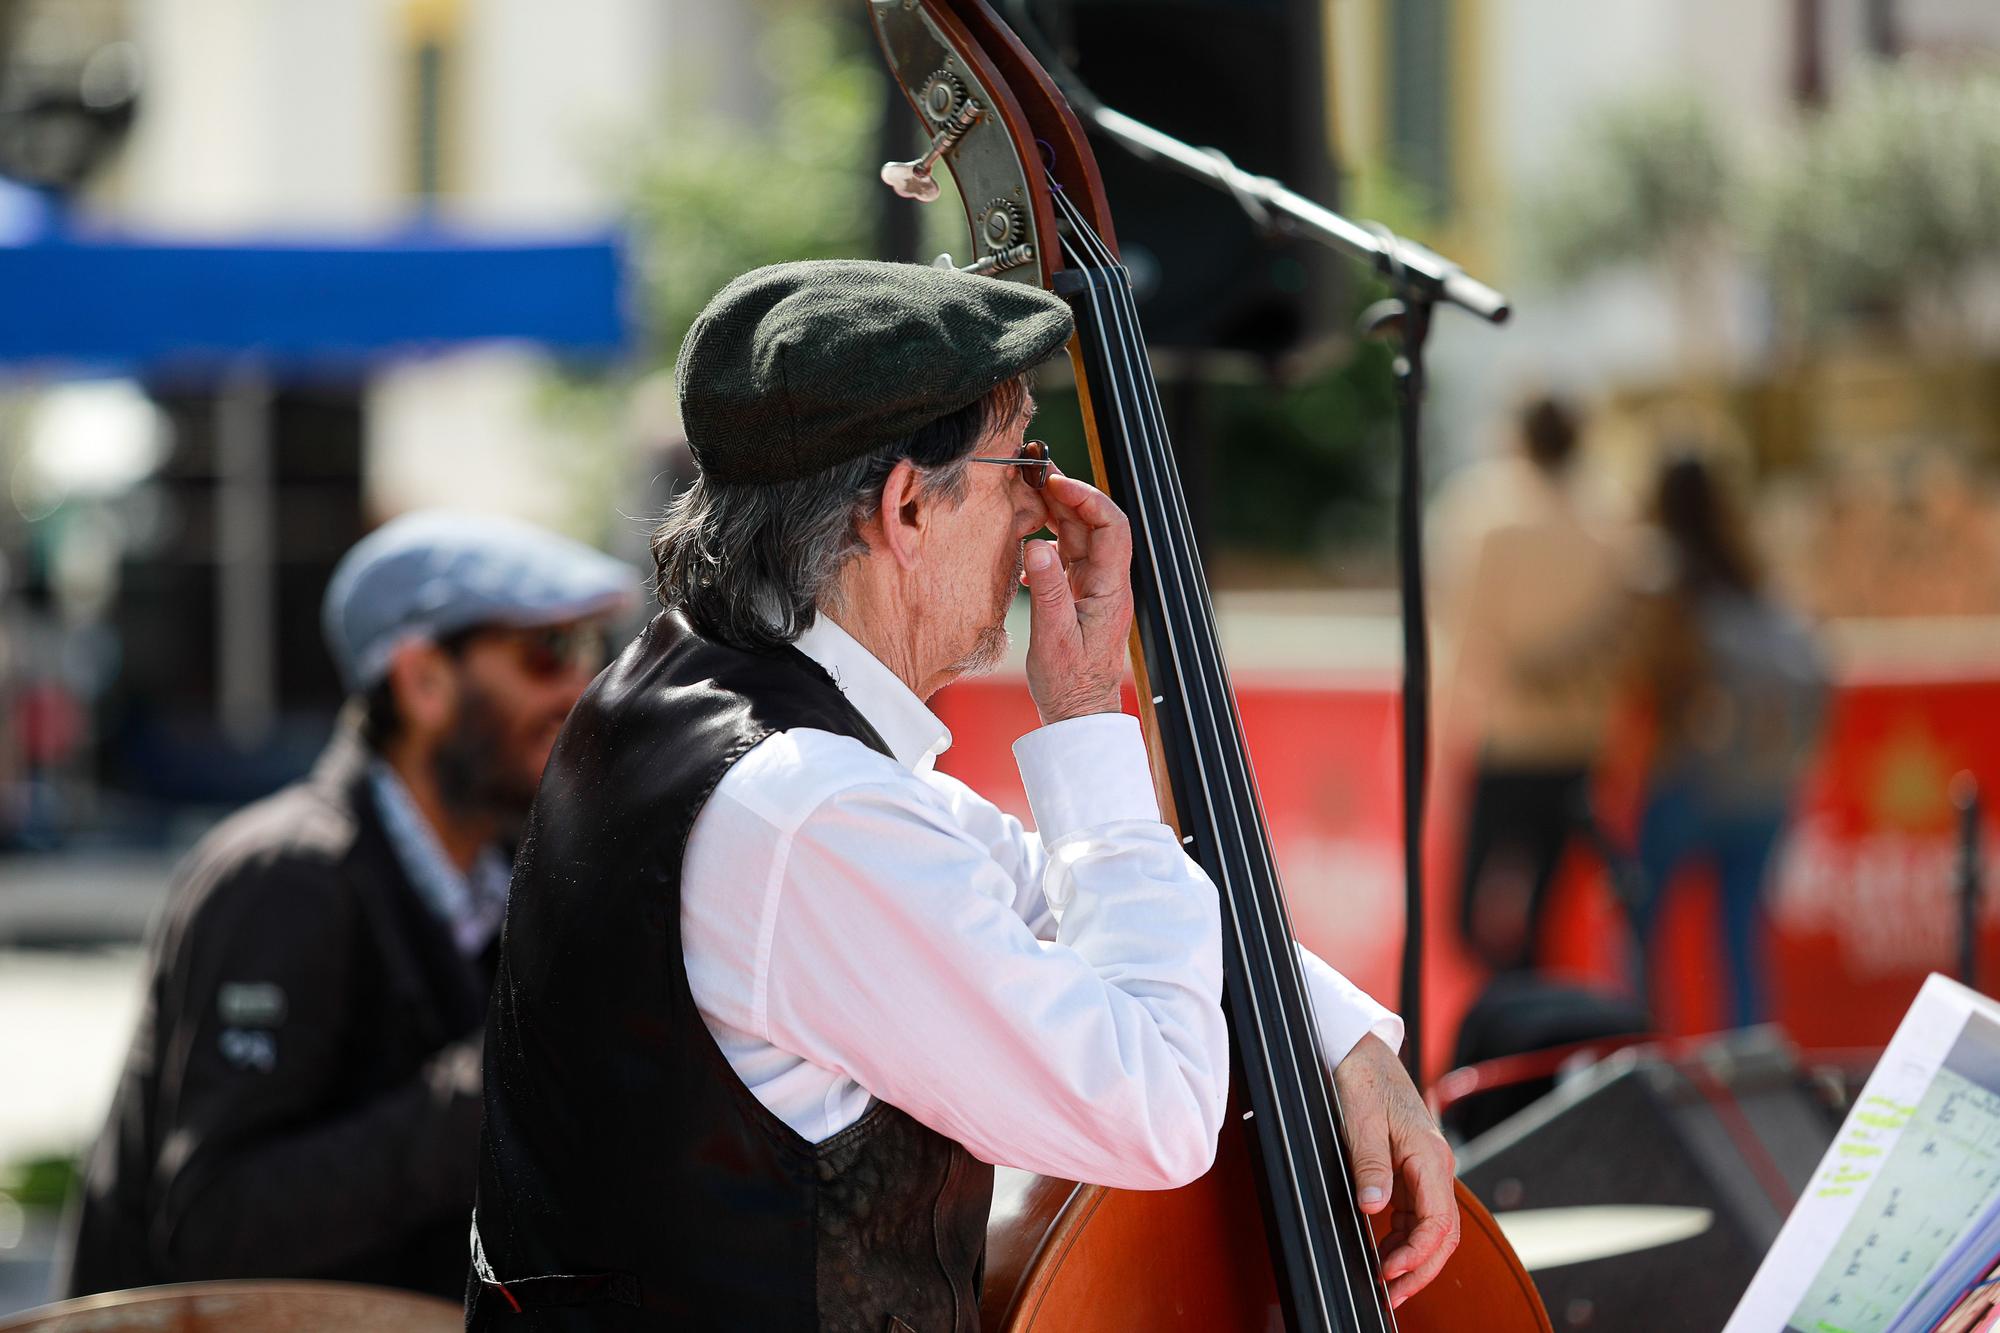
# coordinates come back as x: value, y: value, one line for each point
x: 999, y: 261
x: 913, y: 179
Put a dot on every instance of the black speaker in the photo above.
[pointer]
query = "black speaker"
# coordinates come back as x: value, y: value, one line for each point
x: 1735, y: 1130
x: 1243, y: 76
x: 1522, y: 1012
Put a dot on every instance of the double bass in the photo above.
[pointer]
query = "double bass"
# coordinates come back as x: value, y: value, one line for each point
x: 1271, y: 1237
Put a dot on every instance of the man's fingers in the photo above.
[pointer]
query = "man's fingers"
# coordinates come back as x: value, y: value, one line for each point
x: 1080, y: 498
x: 1422, y: 1245
x: 1048, y: 587
x: 1426, y: 1162
x: 1360, y: 1085
x: 1071, y: 536
x: 1369, y: 1155
x: 1392, y: 1138
x: 1079, y: 616
x: 1434, y: 1239
x: 1070, y: 500
x: 1428, y: 1167
x: 1094, y: 535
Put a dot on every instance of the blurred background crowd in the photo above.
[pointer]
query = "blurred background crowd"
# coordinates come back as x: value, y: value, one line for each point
x: 1715, y: 537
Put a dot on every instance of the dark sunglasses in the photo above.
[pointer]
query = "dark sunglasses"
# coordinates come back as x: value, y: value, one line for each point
x: 542, y: 652
x: 1033, y: 460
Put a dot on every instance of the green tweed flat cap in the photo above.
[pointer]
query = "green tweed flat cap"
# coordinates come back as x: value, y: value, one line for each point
x: 797, y: 368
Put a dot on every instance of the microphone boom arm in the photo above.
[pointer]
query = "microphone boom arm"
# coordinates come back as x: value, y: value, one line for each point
x: 1415, y: 270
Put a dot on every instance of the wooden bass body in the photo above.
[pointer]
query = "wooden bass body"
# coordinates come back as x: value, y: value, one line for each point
x: 1062, y: 1257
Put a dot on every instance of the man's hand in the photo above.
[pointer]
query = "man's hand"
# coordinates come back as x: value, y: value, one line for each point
x: 1080, y: 602
x: 1401, y: 1160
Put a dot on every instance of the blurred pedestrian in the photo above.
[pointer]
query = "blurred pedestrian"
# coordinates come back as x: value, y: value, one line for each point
x: 1737, y: 687
x: 302, y: 1098
x: 1534, y: 601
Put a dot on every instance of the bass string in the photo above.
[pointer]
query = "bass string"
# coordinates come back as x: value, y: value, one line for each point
x: 1171, y: 522
x: 1233, y: 733
x: 1150, y: 531
x: 1234, y: 758
x: 1293, y: 1005
x: 1299, y: 1070
x: 1150, y: 446
x: 1165, y: 484
x: 1139, y: 372
x: 1360, y: 1233
x: 1166, y: 480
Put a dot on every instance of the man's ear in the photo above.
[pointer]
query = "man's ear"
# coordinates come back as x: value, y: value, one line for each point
x: 425, y: 687
x: 903, y: 518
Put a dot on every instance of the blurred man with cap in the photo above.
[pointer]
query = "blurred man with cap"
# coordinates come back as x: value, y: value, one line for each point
x: 302, y: 1096
x: 774, y: 991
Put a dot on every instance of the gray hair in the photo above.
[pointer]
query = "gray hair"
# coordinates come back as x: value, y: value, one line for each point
x: 751, y: 565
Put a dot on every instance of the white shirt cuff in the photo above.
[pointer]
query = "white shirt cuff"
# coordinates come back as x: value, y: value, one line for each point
x: 1346, y: 1013
x: 1085, y: 772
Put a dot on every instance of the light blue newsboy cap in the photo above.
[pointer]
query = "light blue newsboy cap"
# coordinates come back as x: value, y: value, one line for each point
x: 431, y: 573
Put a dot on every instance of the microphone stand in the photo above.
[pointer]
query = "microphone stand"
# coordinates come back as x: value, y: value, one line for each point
x: 1422, y: 280
x: 1418, y: 273
x: 1970, y: 870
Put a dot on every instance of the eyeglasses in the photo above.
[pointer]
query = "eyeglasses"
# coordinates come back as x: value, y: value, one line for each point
x: 543, y: 653
x: 1033, y: 461
x: 552, y: 651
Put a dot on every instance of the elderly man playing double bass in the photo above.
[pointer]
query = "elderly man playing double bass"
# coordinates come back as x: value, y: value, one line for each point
x: 773, y: 990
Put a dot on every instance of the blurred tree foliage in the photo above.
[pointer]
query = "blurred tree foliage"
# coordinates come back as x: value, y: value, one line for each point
x: 1893, y: 202
x: 1650, y: 181
x: 1882, y: 209
x: 719, y: 195
x: 1301, y: 473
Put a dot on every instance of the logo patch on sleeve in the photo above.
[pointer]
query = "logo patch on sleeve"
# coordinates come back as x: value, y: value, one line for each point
x: 256, y: 1052
x: 250, y: 1004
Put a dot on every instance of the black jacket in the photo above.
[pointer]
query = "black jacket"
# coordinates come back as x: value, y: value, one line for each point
x: 301, y: 1098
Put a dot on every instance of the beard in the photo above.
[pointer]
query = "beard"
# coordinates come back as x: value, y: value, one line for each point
x: 474, y: 767
x: 990, y: 648
x: 987, y: 652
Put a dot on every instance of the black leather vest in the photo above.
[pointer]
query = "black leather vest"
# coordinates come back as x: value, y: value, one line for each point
x: 628, y: 1179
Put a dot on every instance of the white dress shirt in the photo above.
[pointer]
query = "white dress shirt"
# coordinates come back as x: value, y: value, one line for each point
x: 859, y: 926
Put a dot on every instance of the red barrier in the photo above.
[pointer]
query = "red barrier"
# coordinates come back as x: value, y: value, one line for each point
x: 1862, y: 904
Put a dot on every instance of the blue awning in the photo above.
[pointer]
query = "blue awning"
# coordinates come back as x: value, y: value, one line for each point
x: 130, y: 304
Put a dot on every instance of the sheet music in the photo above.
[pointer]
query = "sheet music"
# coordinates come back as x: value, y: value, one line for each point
x: 1921, y: 1195
x: 1916, y: 1164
